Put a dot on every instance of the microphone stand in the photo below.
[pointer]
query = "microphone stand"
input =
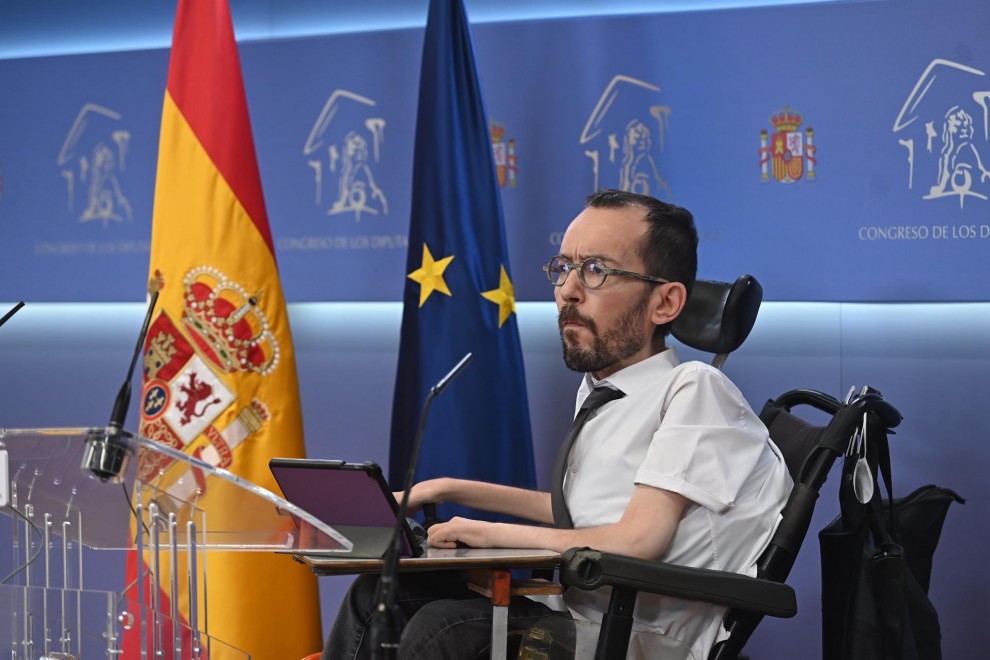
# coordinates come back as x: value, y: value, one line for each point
x: 106, y: 453
x: 384, y: 637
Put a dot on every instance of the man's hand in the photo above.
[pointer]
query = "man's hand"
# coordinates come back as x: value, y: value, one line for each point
x: 521, y: 503
x: 425, y: 492
x: 462, y: 531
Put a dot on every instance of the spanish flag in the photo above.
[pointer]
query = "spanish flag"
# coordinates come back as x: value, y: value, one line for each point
x: 219, y: 370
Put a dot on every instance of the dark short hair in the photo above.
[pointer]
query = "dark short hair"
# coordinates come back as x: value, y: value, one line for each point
x: 671, y: 247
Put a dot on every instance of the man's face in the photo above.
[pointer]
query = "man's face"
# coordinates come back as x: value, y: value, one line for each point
x: 605, y: 329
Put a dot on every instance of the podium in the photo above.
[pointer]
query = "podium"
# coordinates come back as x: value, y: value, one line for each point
x: 64, y: 523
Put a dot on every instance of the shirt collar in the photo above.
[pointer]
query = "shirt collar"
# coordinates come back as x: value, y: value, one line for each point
x: 637, y: 375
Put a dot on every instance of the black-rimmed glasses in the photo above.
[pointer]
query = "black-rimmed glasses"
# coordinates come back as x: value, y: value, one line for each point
x: 592, y: 272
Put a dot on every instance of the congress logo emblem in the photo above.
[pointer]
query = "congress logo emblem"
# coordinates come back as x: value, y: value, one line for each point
x: 344, y: 151
x: 624, y: 137
x: 785, y: 152
x: 943, y: 129
x: 92, y: 162
x: 504, y: 152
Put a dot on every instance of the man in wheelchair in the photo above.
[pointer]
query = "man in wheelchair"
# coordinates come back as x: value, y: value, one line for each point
x: 666, y: 461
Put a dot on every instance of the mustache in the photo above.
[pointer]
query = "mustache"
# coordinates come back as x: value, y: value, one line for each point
x: 570, y: 314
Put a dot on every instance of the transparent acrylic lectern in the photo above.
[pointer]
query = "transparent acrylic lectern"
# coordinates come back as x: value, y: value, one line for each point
x: 61, y: 515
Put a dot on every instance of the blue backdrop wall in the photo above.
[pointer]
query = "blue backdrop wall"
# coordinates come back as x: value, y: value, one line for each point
x: 824, y: 146
x: 862, y: 209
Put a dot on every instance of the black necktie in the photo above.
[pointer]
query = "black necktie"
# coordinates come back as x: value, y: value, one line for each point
x: 598, y: 398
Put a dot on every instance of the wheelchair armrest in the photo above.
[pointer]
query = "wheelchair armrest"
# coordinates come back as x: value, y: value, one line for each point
x: 870, y: 400
x: 590, y: 569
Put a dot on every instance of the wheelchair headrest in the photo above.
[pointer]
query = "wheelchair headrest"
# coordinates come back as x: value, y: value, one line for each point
x: 718, y: 316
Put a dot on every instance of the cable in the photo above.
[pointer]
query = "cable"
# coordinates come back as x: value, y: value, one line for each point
x: 36, y: 552
x: 127, y: 496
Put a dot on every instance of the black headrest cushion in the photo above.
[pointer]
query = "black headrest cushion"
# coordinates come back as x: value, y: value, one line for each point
x: 718, y: 316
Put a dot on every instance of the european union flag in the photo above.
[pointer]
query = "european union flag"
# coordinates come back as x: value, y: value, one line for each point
x: 459, y: 296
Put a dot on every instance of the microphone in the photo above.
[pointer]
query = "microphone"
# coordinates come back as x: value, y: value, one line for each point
x: 12, y: 311
x: 106, y: 452
x: 384, y: 640
x: 454, y: 373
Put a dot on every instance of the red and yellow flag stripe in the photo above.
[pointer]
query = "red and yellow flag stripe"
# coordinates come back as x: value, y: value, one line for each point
x: 209, y: 217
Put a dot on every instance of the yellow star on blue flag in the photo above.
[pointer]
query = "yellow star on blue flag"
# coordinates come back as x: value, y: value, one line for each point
x: 504, y: 296
x: 430, y: 275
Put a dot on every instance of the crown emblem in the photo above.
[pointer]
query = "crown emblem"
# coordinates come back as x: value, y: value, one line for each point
x: 498, y: 132
x: 156, y: 282
x: 786, y: 120
x: 227, y: 323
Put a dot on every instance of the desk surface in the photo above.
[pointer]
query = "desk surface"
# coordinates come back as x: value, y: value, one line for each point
x: 436, y: 559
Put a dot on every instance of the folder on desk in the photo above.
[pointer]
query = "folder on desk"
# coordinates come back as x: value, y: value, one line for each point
x: 353, y: 498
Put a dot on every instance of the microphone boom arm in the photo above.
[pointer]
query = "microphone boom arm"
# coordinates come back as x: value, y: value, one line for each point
x: 105, y: 454
x: 383, y: 641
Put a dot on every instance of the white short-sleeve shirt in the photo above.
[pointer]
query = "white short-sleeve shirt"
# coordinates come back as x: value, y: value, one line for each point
x: 684, y: 428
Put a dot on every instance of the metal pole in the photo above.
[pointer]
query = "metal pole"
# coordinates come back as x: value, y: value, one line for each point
x: 156, y: 585
x: 64, y: 636
x: 174, y: 585
x: 139, y: 560
x: 195, y: 648
x: 46, y: 626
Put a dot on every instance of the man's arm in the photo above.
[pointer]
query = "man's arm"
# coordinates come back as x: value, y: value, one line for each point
x: 644, y: 531
x: 519, y: 502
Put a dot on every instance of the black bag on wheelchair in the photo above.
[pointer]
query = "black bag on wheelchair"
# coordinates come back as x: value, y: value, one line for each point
x: 876, y: 569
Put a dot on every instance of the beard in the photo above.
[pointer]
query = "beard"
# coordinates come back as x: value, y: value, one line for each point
x: 608, y: 349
